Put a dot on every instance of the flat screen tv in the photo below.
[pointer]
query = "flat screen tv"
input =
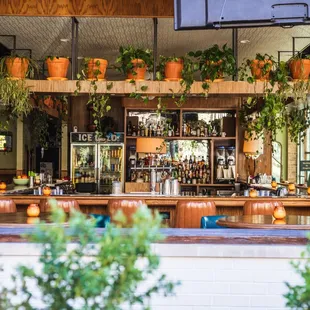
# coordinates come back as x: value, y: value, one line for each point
x: 6, y: 141
x: 215, y: 14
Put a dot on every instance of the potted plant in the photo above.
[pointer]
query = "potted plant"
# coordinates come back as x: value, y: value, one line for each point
x: 260, y: 68
x: 300, y: 67
x: 96, y: 68
x: 18, y: 67
x: 215, y: 62
x: 57, y: 67
x: 134, y: 62
x: 170, y: 68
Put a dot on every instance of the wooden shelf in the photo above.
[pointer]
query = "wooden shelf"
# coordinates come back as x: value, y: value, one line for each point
x: 153, y: 87
x: 187, y: 138
x: 205, y: 185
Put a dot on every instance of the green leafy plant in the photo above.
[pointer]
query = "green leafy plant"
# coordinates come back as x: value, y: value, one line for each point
x: 32, y: 65
x: 129, y: 53
x: 15, y: 100
x: 215, y: 62
x: 269, y: 117
x: 298, y: 296
x: 84, y: 270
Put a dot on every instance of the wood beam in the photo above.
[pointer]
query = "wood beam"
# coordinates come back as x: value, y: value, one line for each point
x: 96, y: 8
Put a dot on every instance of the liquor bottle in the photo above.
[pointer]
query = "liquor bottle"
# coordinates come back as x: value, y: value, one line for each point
x: 202, y: 131
x: 198, y: 131
x: 189, y: 130
x: 158, y: 133
x: 129, y: 129
x: 134, y: 131
x: 184, y: 130
x: 177, y: 133
x: 146, y: 131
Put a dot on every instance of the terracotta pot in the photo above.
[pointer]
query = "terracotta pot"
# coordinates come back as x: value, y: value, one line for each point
x: 58, y: 67
x: 300, y: 69
x: 92, y: 67
x: 279, y: 213
x: 173, y: 70
x: 253, y: 193
x: 257, y: 69
x: 17, y: 67
x: 274, y: 184
x: 291, y: 187
x: 2, y: 185
x: 47, y: 191
x: 140, y: 71
x: 33, y: 210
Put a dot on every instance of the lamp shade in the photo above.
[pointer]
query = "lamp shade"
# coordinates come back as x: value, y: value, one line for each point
x: 151, y: 145
x: 252, y: 147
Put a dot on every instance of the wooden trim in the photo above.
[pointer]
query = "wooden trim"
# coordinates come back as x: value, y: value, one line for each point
x: 153, y: 87
x: 100, y: 8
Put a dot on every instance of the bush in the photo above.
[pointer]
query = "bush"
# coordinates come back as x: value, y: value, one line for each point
x: 80, y: 269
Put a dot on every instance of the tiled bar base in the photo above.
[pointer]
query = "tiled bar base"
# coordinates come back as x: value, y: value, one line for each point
x: 213, y: 276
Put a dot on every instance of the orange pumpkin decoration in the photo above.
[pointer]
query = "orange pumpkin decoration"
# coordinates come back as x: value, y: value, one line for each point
x: 33, y: 210
x: 274, y: 184
x: 308, y: 190
x: 253, y: 193
x: 2, y: 185
x: 47, y: 191
x: 291, y: 187
x: 279, y: 213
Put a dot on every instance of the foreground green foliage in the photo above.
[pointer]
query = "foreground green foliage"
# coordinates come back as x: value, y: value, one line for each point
x: 96, y: 272
x: 298, y: 296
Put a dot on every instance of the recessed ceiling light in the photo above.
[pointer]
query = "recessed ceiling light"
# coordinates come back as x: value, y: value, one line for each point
x: 64, y: 40
x: 244, y: 41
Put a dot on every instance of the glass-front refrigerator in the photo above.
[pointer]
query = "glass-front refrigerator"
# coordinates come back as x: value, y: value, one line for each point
x: 95, y: 165
x: 111, y: 166
x: 84, y: 167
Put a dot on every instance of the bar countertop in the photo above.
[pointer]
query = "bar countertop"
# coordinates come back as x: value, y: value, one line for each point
x: 90, y: 199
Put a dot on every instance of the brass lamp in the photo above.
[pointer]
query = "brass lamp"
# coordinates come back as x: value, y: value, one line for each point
x: 151, y: 145
x: 252, y: 149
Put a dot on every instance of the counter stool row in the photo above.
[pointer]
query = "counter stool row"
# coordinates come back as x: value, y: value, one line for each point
x: 188, y: 213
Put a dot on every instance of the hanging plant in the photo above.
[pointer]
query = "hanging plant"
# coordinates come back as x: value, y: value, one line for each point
x: 269, y: 118
x: 298, y: 122
x: 91, y: 69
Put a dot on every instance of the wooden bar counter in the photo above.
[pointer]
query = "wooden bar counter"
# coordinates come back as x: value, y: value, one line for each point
x: 224, y: 205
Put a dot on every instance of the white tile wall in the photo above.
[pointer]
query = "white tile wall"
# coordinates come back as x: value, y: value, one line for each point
x: 212, y: 276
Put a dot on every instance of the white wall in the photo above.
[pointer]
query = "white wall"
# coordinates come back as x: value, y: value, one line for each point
x: 221, y: 277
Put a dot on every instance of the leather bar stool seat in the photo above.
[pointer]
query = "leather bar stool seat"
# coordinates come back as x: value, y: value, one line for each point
x: 260, y: 207
x: 7, y: 206
x: 189, y: 213
x: 66, y: 205
x: 127, y: 206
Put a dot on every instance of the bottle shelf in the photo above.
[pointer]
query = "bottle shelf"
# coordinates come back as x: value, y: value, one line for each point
x: 185, y: 138
x: 206, y: 185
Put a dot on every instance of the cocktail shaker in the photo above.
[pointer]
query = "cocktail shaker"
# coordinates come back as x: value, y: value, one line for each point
x: 175, y: 187
x: 167, y: 187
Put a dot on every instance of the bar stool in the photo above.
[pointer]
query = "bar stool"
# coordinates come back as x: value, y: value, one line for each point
x: 128, y: 207
x: 66, y: 205
x: 189, y: 213
x: 258, y: 207
x: 7, y: 206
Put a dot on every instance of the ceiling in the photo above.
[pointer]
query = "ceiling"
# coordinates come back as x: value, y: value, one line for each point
x: 102, y: 37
